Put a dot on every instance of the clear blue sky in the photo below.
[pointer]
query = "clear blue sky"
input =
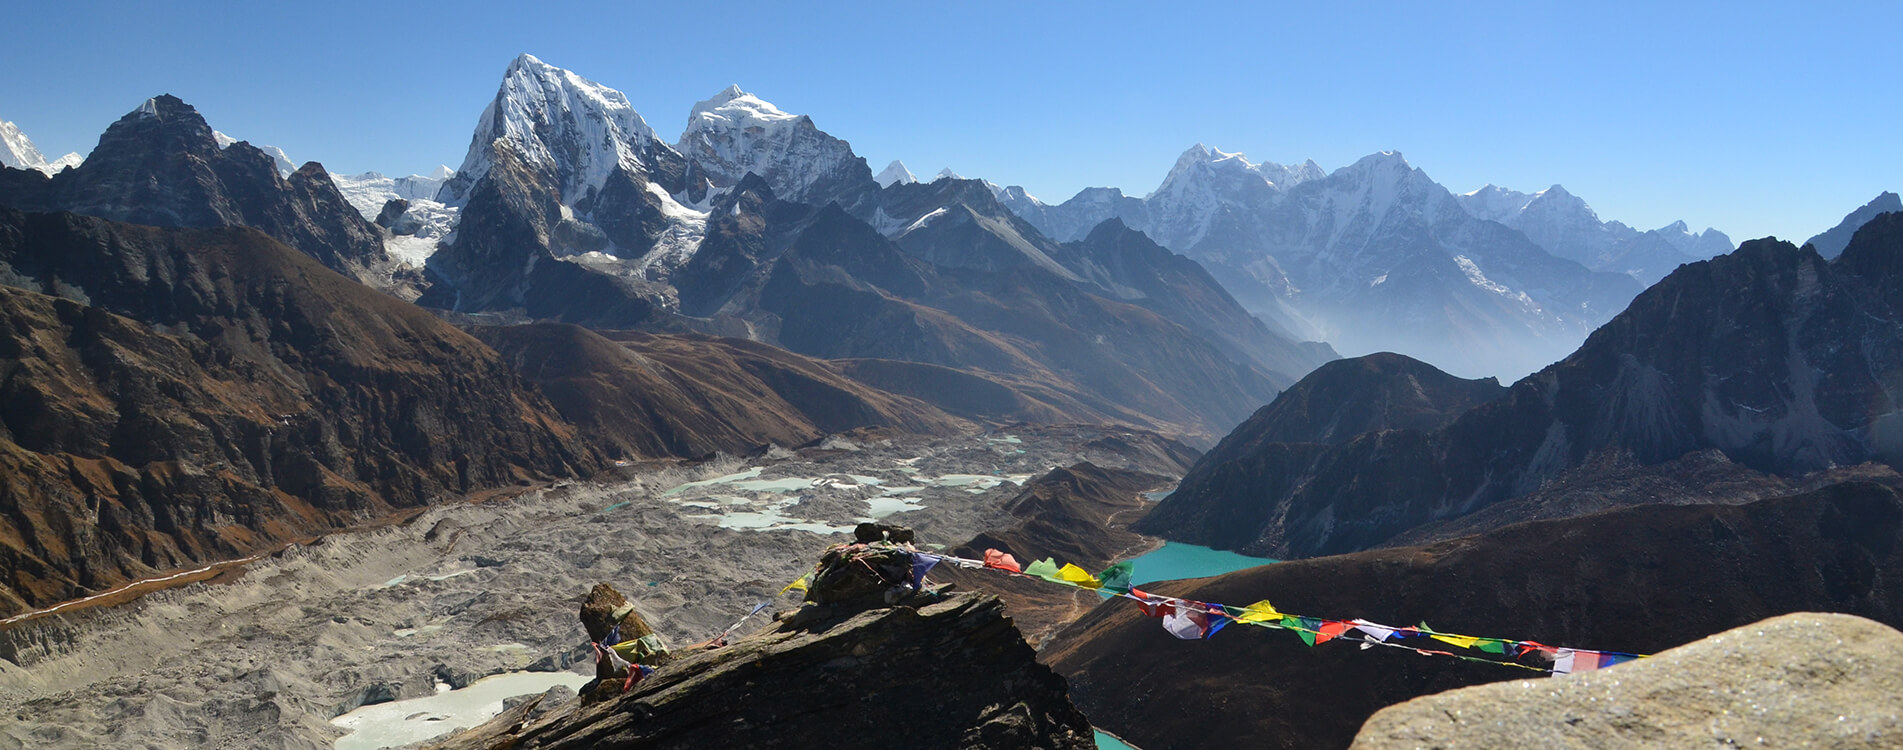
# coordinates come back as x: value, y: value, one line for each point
x: 1754, y: 118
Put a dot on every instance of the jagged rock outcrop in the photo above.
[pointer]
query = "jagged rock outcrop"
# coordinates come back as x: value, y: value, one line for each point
x: 1640, y: 579
x: 1782, y: 361
x: 947, y: 674
x: 1799, y: 680
x: 161, y: 165
x: 176, y: 396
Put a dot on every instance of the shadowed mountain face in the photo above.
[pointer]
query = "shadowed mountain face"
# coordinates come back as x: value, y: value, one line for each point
x: 1781, y: 361
x: 160, y: 165
x: 1831, y: 242
x: 1224, y: 500
x: 1639, y: 579
x: 180, y: 396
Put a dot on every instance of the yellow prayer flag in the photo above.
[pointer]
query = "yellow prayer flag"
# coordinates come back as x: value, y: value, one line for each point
x: 1463, y: 641
x: 799, y: 585
x: 1261, y: 611
x: 1078, y: 576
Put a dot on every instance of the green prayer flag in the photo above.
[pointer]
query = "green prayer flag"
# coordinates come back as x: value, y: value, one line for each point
x: 1117, y: 577
x: 1045, y: 568
x: 1493, y: 647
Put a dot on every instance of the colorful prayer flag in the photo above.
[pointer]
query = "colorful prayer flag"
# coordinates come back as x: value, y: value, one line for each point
x: 1330, y: 630
x: 1001, y: 561
x: 1261, y: 611
x: 1152, y: 606
x: 1076, y: 576
x: 1117, y: 577
x: 797, y: 585
x: 1463, y: 641
x: 921, y: 564
x: 1045, y: 569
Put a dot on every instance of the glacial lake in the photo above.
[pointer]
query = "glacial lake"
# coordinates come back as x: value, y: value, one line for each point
x: 1177, y: 560
x: 1107, y: 742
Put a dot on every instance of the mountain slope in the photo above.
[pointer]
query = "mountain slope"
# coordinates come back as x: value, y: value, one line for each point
x: 669, y: 395
x: 1780, y: 360
x: 1831, y: 242
x: 182, y: 396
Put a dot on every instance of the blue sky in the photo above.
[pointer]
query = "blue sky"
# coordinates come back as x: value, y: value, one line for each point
x: 1755, y: 118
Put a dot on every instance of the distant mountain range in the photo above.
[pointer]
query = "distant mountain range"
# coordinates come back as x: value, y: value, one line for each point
x: 1771, y: 357
x: 757, y: 224
x: 1378, y: 257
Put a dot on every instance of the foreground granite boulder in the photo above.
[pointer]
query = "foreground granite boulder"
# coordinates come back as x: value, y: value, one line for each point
x: 950, y: 674
x: 1799, y: 680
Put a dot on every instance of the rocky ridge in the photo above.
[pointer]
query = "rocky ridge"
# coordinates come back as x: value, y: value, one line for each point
x: 162, y: 165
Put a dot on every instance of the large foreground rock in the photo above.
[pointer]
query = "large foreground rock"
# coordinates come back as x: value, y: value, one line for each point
x: 1800, y: 680
x: 953, y: 674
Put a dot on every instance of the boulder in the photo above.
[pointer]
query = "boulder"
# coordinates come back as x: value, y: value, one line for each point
x: 1798, y: 680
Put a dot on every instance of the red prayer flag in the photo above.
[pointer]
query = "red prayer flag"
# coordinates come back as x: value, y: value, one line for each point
x: 1001, y: 561
x: 1331, y: 630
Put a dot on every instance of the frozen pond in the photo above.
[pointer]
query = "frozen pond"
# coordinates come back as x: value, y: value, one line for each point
x: 403, y: 722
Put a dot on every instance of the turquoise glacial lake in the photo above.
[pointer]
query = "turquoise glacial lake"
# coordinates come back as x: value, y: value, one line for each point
x: 1177, y: 560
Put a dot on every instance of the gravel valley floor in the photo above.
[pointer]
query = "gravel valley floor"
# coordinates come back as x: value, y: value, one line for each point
x: 466, y: 590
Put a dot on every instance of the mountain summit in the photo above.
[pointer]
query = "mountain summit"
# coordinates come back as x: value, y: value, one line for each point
x: 735, y: 133
x: 17, y: 151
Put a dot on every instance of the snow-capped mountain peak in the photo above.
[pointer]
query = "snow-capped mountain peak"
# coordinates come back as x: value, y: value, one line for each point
x: 17, y: 151
x: 734, y: 108
x: 734, y: 133
x: 895, y: 174
x: 553, y: 118
x: 947, y: 174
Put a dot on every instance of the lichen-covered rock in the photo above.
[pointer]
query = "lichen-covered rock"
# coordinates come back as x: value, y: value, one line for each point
x: 954, y: 674
x: 1799, y: 680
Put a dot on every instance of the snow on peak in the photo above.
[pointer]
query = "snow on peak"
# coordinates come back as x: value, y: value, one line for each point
x: 284, y: 164
x: 947, y: 174
x: 17, y: 151
x: 895, y: 174
x: 441, y: 173
x: 735, y: 133
x: 733, y: 108
x: 553, y: 118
